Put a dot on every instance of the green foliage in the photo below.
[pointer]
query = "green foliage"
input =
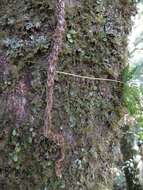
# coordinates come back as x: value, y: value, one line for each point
x: 131, y: 98
x: 133, y: 93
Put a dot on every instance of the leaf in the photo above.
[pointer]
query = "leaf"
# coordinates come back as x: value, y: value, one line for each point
x: 15, y: 158
x: 17, y: 149
x: 72, y: 31
x: 70, y: 40
x: 30, y: 140
x: 14, y: 133
x: 69, y: 36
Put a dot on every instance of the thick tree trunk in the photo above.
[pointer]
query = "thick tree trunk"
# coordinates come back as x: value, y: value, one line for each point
x: 85, y: 112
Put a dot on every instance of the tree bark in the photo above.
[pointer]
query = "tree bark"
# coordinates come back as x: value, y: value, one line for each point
x: 85, y: 112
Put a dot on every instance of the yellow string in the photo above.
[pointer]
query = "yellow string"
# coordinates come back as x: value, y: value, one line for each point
x: 90, y: 78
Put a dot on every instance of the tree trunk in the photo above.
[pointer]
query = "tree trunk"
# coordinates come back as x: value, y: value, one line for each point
x: 130, y: 165
x: 85, y: 111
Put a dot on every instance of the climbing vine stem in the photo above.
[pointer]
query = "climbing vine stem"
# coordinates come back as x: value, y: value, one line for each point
x: 51, y: 72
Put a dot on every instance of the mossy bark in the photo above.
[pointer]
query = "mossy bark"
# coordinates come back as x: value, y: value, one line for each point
x: 86, y: 112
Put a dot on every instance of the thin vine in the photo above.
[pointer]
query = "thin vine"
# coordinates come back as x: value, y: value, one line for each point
x: 51, y: 72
